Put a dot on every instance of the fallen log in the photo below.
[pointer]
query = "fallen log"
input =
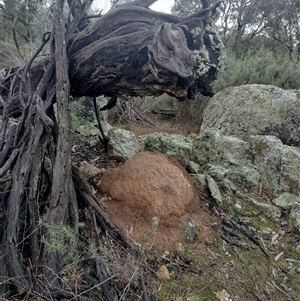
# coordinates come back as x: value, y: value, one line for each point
x: 129, y: 51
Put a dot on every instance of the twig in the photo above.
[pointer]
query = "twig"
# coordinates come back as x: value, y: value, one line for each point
x: 126, y: 287
x: 143, y: 286
x: 206, y: 286
x: 281, y: 290
x: 93, y: 287
x: 93, y: 16
x: 246, y: 233
x: 15, y: 37
x: 103, y: 139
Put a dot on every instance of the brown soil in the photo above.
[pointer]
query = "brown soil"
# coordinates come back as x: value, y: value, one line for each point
x: 138, y: 225
x: 169, y: 235
x: 152, y: 184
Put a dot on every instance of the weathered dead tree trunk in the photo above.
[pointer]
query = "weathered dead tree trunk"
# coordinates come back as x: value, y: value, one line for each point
x: 129, y: 51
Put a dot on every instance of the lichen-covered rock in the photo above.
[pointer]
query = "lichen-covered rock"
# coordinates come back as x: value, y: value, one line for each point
x: 214, y: 189
x: 173, y: 145
x: 286, y: 200
x: 271, y: 211
x: 225, y: 156
x: 88, y: 130
x: 278, y: 164
x: 190, y: 231
x: 192, y: 167
x: 295, y: 217
x: 255, y: 110
x: 266, y: 156
x: 122, y: 144
x: 290, y: 170
x: 200, y: 181
x: 261, y: 159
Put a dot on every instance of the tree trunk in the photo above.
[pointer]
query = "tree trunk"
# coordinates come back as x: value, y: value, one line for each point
x: 131, y: 51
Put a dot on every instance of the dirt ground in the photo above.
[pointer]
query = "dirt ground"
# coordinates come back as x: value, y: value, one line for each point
x: 138, y: 224
x: 223, y: 263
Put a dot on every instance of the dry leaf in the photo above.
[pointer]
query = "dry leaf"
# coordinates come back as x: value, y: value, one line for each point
x: 163, y: 273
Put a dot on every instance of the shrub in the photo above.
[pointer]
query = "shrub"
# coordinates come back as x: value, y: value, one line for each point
x: 261, y: 67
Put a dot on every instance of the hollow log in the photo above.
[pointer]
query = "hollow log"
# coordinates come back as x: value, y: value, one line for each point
x: 134, y: 51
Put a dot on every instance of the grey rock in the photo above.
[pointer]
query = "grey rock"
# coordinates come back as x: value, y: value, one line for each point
x: 93, y: 141
x: 192, y: 167
x: 155, y: 223
x: 255, y: 110
x: 286, y: 200
x: 278, y: 164
x: 263, y: 159
x: 89, y: 170
x: 266, y: 156
x: 217, y: 172
x: 290, y: 170
x: 200, y: 181
x: 271, y: 211
x: 225, y: 156
x: 295, y: 216
x: 176, y: 146
x: 190, y: 231
x: 214, y: 189
x: 88, y: 130
x: 122, y: 144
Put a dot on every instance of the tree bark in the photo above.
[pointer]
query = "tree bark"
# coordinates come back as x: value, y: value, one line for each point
x: 129, y: 51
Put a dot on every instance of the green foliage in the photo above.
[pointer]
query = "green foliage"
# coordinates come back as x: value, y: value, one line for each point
x: 241, y: 21
x: 21, y: 13
x: 185, y: 7
x: 261, y: 67
x: 30, y: 19
x: 60, y: 238
x: 162, y: 102
x: 82, y: 111
x: 116, y: 3
x: 8, y: 54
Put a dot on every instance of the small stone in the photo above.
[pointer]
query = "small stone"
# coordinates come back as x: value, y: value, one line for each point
x: 190, y: 231
x: 163, y: 273
x: 214, y: 189
x: 200, y: 181
x: 238, y: 206
x: 122, y: 144
x: 192, y: 167
x: 154, y: 223
x: 180, y: 247
x: 105, y: 199
x: 295, y: 217
x: 89, y: 170
x: 223, y: 295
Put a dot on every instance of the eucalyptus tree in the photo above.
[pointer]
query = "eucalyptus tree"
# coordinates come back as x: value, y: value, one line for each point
x: 245, y: 23
x: 282, y: 25
x: 20, y: 16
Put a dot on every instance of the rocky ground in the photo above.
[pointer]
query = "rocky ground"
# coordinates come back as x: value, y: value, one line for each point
x: 239, y: 252
x: 218, y: 221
